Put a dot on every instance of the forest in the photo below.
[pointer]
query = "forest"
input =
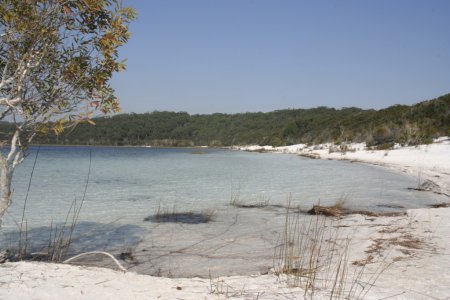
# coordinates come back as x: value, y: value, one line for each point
x: 411, y: 125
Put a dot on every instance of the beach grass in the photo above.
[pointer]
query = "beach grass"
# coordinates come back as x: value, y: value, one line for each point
x: 164, y: 215
x: 313, y: 254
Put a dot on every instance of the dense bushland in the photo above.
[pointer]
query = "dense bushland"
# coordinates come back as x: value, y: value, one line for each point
x: 414, y: 124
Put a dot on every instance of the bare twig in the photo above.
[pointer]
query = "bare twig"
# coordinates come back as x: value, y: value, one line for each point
x: 96, y: 252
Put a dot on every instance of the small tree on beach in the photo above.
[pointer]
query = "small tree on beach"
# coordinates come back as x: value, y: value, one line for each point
x: 56, y: 60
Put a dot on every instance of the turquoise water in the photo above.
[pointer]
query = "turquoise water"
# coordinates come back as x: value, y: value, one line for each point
x: 127, y: 184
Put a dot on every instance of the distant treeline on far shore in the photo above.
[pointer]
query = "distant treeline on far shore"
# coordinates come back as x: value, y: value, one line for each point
x: 414, y: 124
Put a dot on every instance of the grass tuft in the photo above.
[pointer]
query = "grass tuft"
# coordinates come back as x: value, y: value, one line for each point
x: 189, y: 217
x: 262, y: 202
x: 314, y: 254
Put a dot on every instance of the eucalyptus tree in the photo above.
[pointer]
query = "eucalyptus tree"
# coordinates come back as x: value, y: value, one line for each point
x: 56, y: 61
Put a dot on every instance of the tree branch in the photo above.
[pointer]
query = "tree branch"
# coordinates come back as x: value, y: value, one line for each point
x: 11, y: 103
x: 12, y: 151
x: 5, y: 113
x: 4, y: 81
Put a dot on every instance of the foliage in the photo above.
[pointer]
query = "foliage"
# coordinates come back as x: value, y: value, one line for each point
x: 404, y: 124
x: 55, y: 56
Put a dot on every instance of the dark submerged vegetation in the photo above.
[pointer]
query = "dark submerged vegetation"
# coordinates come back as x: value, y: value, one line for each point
x: 186, y: 217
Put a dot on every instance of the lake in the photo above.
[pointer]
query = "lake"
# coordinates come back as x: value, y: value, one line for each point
x: 126, y: 185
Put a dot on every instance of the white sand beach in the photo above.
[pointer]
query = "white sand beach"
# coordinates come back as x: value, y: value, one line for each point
x: 405, y: 257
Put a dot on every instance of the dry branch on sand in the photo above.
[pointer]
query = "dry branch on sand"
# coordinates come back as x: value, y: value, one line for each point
x: 339, y: 211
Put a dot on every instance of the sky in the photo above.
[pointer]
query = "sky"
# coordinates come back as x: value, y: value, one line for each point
x: 232, y: 56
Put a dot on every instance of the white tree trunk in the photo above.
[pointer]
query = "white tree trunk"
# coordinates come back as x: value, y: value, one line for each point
x: 7, y: 166
x: 5, y: 189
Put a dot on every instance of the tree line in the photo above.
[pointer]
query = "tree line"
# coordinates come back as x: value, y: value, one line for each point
x: 404, y: 124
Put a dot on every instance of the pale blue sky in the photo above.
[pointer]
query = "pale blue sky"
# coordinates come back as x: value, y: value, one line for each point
x: 205, y: 56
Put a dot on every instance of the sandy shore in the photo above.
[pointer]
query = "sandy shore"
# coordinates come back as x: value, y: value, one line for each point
x: 430, y: 162
x: 414, y: 249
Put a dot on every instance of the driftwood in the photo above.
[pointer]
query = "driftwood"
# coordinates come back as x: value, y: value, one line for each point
x: 330, y: 211
x: 97, y: 252
x: 338, y: 210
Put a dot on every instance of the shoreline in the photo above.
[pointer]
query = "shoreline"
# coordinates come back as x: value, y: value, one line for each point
x: 425, y: 162
x: 415, y: 246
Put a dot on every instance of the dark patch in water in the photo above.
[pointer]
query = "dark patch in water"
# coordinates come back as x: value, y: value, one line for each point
x: 87, y: 236
x: 390, y: 206
x: 186, y: 218
x: 439, y: 205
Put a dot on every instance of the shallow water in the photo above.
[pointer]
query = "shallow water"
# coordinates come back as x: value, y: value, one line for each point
x: 127, y: 185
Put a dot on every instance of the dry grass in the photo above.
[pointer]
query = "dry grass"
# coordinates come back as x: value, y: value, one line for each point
x: 261, y: 201
x: 314, y: 254
x: 407, y: 241
x: 363, y: 262
x: 60, y: 236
